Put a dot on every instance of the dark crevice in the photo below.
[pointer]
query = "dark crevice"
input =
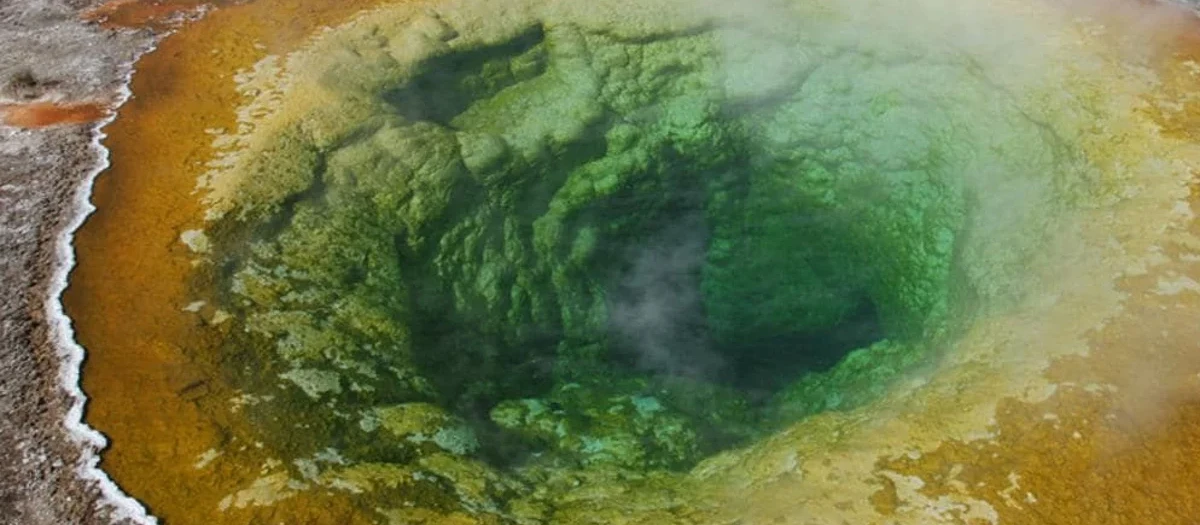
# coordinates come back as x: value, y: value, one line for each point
x: 664, y: 36
x: 762, y: 366
x: 447, y: 85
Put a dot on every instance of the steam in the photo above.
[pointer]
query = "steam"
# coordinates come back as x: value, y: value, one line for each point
x: 657, y: 312
x: 769, y: 47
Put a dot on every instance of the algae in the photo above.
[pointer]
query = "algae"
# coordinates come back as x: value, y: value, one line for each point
x: 549, y: 246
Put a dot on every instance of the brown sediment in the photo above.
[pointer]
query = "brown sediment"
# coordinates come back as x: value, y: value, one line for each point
x: 42, y: 114
x: 152, y: 371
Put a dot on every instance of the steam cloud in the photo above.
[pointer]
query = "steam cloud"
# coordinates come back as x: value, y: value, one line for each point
x: 657, y: 312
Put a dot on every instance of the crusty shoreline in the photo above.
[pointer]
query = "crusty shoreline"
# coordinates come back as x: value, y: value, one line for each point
x: 46, y: 54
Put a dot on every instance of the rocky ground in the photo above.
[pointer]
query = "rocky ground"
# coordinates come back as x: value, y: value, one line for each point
x: 58, y: 76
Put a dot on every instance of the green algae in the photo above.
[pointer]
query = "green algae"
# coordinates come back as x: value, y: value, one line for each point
x: 435, y: 273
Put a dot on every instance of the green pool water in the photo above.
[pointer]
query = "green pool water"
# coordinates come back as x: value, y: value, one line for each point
x: 519, y: 246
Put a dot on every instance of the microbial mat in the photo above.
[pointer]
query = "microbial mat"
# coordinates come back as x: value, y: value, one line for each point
x: 653, y: 262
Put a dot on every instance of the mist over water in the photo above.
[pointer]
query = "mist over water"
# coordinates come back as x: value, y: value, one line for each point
x: 657, y: 310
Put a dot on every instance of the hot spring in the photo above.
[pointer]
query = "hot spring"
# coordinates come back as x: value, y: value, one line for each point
x: 612, y: 262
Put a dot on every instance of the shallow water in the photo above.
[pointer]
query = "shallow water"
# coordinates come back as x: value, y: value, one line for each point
x: 685, y: 264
